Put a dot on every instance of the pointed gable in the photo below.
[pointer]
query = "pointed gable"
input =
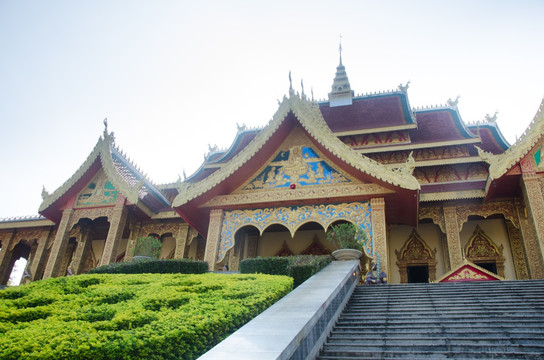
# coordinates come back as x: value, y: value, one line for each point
x: 105, y: 175
x: 469, y: 272
x: 293, y: 112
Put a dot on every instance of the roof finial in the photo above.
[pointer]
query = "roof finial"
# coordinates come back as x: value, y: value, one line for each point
x: 291, y: 91
x: 105, y: 127
x: 340, y: 49
x: 302, y: 86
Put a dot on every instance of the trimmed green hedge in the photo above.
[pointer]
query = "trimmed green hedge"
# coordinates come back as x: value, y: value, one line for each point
x: 153, y: 266
x: 145, y: 316
x: 299, y: 267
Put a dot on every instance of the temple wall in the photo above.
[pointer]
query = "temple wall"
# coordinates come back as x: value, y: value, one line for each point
x: 191, y: 253
x: 496, y: 230
x: 272, y: 242
x: 168, y: 246
x: 430, y: 233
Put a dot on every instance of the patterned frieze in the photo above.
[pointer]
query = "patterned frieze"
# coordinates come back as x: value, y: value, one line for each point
x: 304, y: 193
x: 506, y: 208
x: 292, y: 218
x: 161, y: 228
x: 426, y: 154
x: 435, y: 213
x: 518, y: 252
x: 451, y: 173
x: 376, y: 139
x: 91, y: 214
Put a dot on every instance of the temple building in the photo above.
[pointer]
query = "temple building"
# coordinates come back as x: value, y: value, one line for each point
x: 428, y: 190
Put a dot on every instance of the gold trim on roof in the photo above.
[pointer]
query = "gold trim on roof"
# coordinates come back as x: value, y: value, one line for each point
x: 311, y: 119
x: 452, y: 195
x: 386, y: 147
x: 500, y: 164
x: 376, y: 130
x: 101, y: 150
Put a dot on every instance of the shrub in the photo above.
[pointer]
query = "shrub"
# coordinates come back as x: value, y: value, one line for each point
x: 147, y: 246
x: 265, y: 265
x: 300, y: 267
x: 172, y: 266
x: 143, y: 316
x: 346, y: 236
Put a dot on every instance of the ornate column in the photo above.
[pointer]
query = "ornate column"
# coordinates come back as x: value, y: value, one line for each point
x: 135, y: 229
x: 117, y: 225
x: 214, y: 235
x: 251, y: 244
x: 82, y: 251
x: 379, y: 233
x: 181, y: 241
x: 518, y: 252
x: 535, y: 204
x: 452, y: 236
x: 59, y: 245
x: 236, y: 254
x: 532, y: 248
x: 5, y: 256
x: 39, y: 257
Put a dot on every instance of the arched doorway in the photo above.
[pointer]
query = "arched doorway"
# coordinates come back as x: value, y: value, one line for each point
x: 416, y: 261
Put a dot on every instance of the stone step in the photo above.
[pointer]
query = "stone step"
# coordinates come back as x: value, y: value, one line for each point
x: 339, y: 349
x: 461, y: 330
x: 416, y: 340
x: 435, y: 355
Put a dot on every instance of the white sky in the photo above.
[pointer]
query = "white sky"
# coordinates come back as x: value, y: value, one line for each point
x: 174, y: 76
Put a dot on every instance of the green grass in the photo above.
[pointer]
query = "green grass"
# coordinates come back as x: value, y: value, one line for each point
x: 145, y: 316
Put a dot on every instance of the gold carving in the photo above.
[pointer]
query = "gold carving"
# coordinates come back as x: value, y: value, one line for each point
x: 311, y: 119
x: 426, y: 154
x: 452, y: 233
x: 500, y: 164
x: 468, y: 274
x: 506, y: 208
x: 98, y: 192
x: 451, y: 173
x: 91, y: 214
x: 377, y: 139
x: 481, y: 249
x: 433, y: 212
x: 414, y: 252
x: 379, y: 233
x: 317, y: 192
x: 452, y: 195
x: 518, y: 252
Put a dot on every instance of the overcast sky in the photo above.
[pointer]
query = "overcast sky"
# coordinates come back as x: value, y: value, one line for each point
x: 175, y: 76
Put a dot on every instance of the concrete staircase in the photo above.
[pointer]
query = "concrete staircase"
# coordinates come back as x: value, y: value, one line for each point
x: 471, y: 320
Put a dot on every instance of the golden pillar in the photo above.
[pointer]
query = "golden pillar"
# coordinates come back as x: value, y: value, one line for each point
x: 535, y: 204
x: 181, y: 241
x: 5, y: 257
x: 452, y: 236
x: 117, y: 226
x: 82, y: 251
x: 379, y: 232
x: 214, y: 236
x: 40, y: 255
x: 131, y: 243
x: 530, y: 238
x: 59, y: 245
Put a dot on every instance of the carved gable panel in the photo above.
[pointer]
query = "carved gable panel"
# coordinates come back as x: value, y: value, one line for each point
x: 98, y: 192
x: 299, y: 166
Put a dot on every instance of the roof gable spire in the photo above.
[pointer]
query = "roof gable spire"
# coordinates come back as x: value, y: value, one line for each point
x: 341, y: 93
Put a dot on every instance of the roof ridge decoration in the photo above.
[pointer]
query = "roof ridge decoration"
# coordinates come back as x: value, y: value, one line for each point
x: 103, y: 150
x: 500, y: 164
x: 311, y: 119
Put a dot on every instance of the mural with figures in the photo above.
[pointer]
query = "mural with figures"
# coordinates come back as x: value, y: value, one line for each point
x: 300, y: 165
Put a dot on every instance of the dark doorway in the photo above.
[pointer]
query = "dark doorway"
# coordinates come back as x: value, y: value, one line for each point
x: 418, y: 274
x: 490, y: 266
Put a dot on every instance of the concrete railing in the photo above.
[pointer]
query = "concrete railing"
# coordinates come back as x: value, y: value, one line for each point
x: 298, y: 324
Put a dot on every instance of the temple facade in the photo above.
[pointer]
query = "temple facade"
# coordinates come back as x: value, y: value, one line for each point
x: 428, y: 191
